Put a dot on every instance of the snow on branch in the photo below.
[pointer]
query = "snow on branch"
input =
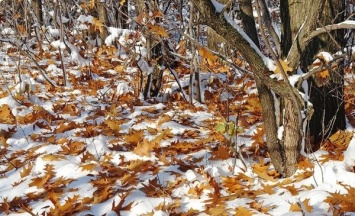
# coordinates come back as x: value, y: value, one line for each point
x: 348, y: 24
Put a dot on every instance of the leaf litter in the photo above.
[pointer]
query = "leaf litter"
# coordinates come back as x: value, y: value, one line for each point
x: 104, y: 150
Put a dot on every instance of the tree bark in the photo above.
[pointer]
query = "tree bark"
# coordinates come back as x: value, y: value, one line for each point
x: 327, y: 100
x: 37, y: 8
x: 103, y: 17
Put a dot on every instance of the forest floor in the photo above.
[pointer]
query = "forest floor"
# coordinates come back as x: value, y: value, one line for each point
x: 95, y: 147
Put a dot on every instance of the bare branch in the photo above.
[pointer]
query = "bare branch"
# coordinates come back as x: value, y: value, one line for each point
x: 267, y: 20
x: 348, y: 24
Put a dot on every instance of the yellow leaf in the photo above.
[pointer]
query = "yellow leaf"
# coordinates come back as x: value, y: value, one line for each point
x: 98, y: 25
x: 217, y: 210
x: 113, y: 124
x: 6, y: 115
x: 122, y: 2
x: 119, y: 68
x: 242, y: 211
x: 284, y: 64
x: 341, y: 138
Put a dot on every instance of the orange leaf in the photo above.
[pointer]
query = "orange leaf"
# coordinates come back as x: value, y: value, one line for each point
x: 89, y: 167
x: 323, y: 74
x: 262, y: 171
x: 292, y: 189
x: 305, y: 163
x: 268, y: 188
x: 39, y: 181
x: 258, y: 137
x: 211, y: 58
x: 232, y: 184
x: 134, y: 137
x: 244, y: 211
x: 305, y: 206
x: 259, y: 207
x: 158, y: 30
x: 120, y: 206
x: 114, y: 125
x: 221, y: 153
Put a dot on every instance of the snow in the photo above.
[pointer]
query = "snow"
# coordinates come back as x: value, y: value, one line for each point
x: 190, y: 175
x: 58, y: 44
x: 219, y: 7
x: 349, y: 156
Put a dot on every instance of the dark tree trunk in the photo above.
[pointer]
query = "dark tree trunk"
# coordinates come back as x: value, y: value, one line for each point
x: 248, y: 22
x: 327, y: 100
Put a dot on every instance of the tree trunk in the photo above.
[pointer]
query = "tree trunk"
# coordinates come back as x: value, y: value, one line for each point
x: 327, y: 100
x: 103, y: 17
x: 275, y: 147
x: 299, y: 20
x: 265, y: 84
x: 248, y: 22
x: 37, y: 8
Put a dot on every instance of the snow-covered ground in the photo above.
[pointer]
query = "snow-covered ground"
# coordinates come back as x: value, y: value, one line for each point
x: 95, y: 147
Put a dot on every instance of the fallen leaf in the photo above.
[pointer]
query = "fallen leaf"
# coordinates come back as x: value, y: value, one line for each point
x: 211, y: 58
x: 144, y: 148
x: 6, y: 116
x: 243, y: 211
x: 222, y: 153
x: 284, y: 64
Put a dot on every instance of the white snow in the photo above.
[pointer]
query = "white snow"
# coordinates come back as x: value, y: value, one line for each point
x: 349, y: 156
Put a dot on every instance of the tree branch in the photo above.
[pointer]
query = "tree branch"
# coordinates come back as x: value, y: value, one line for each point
x: 261, y: 65
x: 348, y: 24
